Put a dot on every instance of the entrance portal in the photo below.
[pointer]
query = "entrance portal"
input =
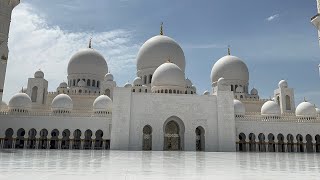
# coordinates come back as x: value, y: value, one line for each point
x: 172, y: 137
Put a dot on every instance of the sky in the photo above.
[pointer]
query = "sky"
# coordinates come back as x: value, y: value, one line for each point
x: 274, y: 38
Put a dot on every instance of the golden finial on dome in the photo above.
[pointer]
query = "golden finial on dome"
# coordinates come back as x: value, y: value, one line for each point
x: 168, y: 60
x: 90, y: 43
x: 161, y: 28
x: 229, y: 51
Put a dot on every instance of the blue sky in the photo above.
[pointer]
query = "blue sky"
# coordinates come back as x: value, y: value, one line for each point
x: 274, y: 38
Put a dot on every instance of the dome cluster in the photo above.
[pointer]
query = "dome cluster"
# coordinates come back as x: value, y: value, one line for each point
x: 63, y: 104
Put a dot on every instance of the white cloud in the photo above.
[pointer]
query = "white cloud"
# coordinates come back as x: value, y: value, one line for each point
x: 273, y: 17
x: 33, y: 45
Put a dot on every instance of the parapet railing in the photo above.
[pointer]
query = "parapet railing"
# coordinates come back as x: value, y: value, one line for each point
x: 283, y: 118
x: 6, y: 113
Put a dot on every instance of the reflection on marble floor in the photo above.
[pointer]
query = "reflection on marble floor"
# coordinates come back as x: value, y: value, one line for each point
x: 46, y: 164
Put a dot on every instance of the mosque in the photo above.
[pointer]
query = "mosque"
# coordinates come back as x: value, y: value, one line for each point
x: 160, y: 110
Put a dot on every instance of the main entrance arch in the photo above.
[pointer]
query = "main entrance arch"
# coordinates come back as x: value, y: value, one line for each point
x: 173, y: 134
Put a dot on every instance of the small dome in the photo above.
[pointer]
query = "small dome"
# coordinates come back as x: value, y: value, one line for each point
x: 230, y: 68
x: 270, y: 108
x: 128, y: 85
x: 168, y: 74
x: 39, y: 74
x: 239, y: 108
x: 82, y: 83
x: 3, y: 106
x: 88, y: 61
x: 20, y: 101
x: 188, y: 82
x: 157, y: 50
x: 62, y: 102
x: 194, y: 87
x: 239, y: 89
x: 108, y: 77
x: 306, y: 109
x: 206, y: 93
x: 63, y: 85
x: 102, y: 104
x: 318, y: 111
x: 283, y: 84
x: 137, y: 81
x: 254, y: 91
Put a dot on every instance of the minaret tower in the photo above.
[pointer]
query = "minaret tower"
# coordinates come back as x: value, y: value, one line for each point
x: 6, y: 7
x: 315, y: 20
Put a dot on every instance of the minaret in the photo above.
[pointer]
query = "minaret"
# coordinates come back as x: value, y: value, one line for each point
x: 315, y: 20
x: 6, y: 7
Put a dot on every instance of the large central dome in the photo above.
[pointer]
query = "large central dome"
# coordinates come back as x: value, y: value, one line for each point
x: 158, y: 50
x: 88, y: 61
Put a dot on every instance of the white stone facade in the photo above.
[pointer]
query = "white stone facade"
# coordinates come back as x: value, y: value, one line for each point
x: 160, y: 110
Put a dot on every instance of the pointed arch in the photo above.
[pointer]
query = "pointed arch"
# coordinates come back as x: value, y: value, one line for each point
x: 65, y: 142
x: 252, y: 142
x: 242, y: 142
x: 147, y: 138
x: 200, y: 138
x: 281, y: 147
x: 88, y: 139
x: 34, y: 94
x: 271, y: 143
x: 20, y: 138
x: 288, y: 103
x: 173, y: 130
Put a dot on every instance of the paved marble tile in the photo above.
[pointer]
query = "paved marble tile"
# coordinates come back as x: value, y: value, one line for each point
x: 50, y: 164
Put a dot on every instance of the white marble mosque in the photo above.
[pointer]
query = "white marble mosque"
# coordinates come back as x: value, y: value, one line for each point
x: 161, y: 110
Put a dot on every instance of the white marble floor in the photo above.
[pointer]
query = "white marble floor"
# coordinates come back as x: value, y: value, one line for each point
x: 92, y: 165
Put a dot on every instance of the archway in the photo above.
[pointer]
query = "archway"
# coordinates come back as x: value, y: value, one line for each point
x: 77, y: 139
x: 309, y: 144
x: 173, y: 134
x: 107, y: 92
x: 87, y: 139
x: 271, y: 143
x: 242, y: 142
x: 290, y: 144
x: 20, y: 138
x: 98, y: 140
x: 54, y: 139
x: 252, y: 142
x: 317, y: 138
x: 281, y: 147
x: 300, y: 146
x: 200, y: 139
x: 65, y: 142
x: 147, y: 138
x: 32, y: 138
x: 288, y: 103
x: 8, y: 139
x: 34, y: 94
x: 43, y: 139
x: 262, y: 143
